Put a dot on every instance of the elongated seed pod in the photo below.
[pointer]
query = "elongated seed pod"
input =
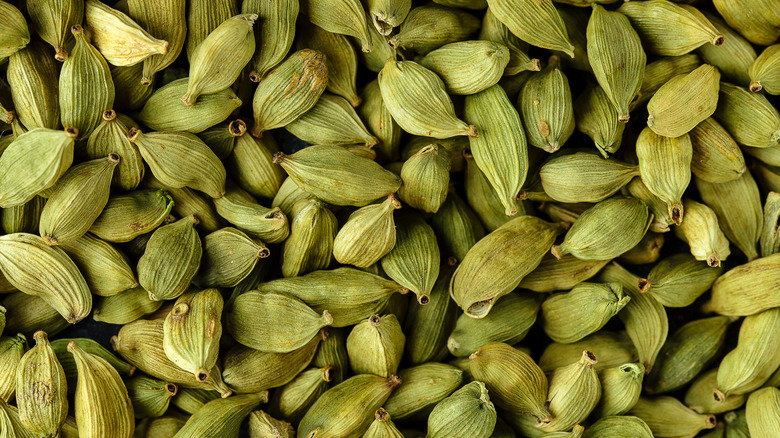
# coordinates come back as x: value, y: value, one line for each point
x: 35, y: 94
x: 574, y: 391
x: 41, y: 389
x: 274, y: 32
x: 535, y: 22
x: 157, y: 273
x: 620, y: 389
x: 547, y: 108
x: 204, y: 16
x: 52, y: 20
x: 345, y: 17
x: 665, y: 168
x: 221, y: 417
x: 165, y: 20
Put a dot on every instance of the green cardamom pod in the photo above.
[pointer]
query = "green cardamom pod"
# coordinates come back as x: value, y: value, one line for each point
x: 15, y: 35
x: 648, y: 250
x: 76, y: 200
x: 311, y: 244
x: 515, y: 380
x: 380, y: 122
x: 414, y: 260
x: 128, y: 216
x: 467, y: 412
x: 192, y: 330
x: 340, y: 59
x: 368, y: 235
x: 221, y: 417
x: 703, y: 234
x: 169, y: 153
x: 749, y: 117
x: 468, y: 67
x: 331, y: 121
x: 165, y: 20
x: 274, y: 30
x: 375, y: 346
x: 345, y: 17
x: 229, y: 256
x: 535, y: 22
x: 645, y: 319
x: 23, y: 257
x: 124, y: 307
x: 762, y: 412
x: 106, y: 270
x: 613, y: 349
x: 293, y: 399
x: 375, y: 59
x: 423, y: 386
x: 131, y: 94
x: 658, y: 72
x: 41, y: 389
x: 656, y: 413
x: 457, y: 226
x: 60, y: 347
x: 27, y: 314
x: 617, y: 58
x: 596, y: 117
x: 230, y: 46
x: 150, y: 397
x: 261, y: 331
x: 251, y: 164
x: 163, y: 111
x: 665, y: 167
x: 686, y: 353
x: 760, y: 29
x: 509, y: 321
x: 553, y: 274
x: 576, y: 22
x: 52, y: 20
x: 658, y: 208
x: 654, y: 19
x: 678, y: 280
x: 569, y: 317
x: 584, y: 177
x: 102, y: 405
x: 23, y: 218
x: 764, y: 71
x: 242, y: 210
x: 86, y: 88
x: 294, y: 87
x: 431, y: 26
x: 313, y: 168
x: 12, y: 349
x: 618, y: 426
x: 222, y: 137
x: 755, y: 358
x: 350, y: 295
x: 426, y: 176
x: 494, y: 30
x: 118, y: 38
x: 382, y: 426
x: 716, y: 156
x: 171, y: 259
x: 620, y: 389
x: 574, y: 392
x: 737, y: 205
x: 770, y: 232
x: 699, y: 396
x: 732, y: 58
x: 546, y: 105
x: 386, y: 15
x: 500, y: 149
x: 333, y: 352
x: 684, y: 101
x: 204, y: 16
x: 35, y: 94
x: 109, y: 137
x: 482, y: 197
x: 262, y: 425
x: 497, y: 264
x: 592, y: 236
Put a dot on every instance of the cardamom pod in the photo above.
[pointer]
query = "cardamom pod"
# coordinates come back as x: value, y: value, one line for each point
x: 222, y: 137
x: 333, y: 352
x: 375, y: 346
x: 762, y: 412
x: 764, y: 71
x: 128, y: 216
x: 109, y: 137
x: 619, y: 426
x: 699, y: 396
x: 553, y: 274
x: 293, y: 399
x: 494, y: 30
x: 614, y: 349
x: 535, y: 22
x: 375, y: 59
x: 770, y: 232
x: 597, y: 118
x: 171, y: 259
x: 345, y: 17
x: 251, y: 164
x: 620, y: 389
x: 380, y: 122
x: 263, y: 425
x: 204, y: 16
x: 41, y: 389
x: 229, y: 256
x: 12, y: 349
x: 221, y: 417
x: 658, y: 72
x: 678, y: 280
x: 648, y: 250
x: 106, y: 270
x: 311, y: 244
x: 386, y: 15
x: 331, y: 121
x: 760, y: 29
x: 716, y: 156
x: 684, y: 101
x: 569, y: 317
x: 382, y: 426
x: 665, y: 168
x: 124, y: 307
x: 120, y: 40
x: 423, y: 387
x: 749, y: 117
x: 274, y: 30
x: 241, y: 209
x: 23, y: 218
x: 703, y: 234
x: 35, y: 94
x: 429, y: 27
x: 413, y: 262
x: 150, y: 397
x: 574, y: 392
x: 742, y: 290
x: 368, y: 235
x: 584, y: 176
x: 340, y: 59
x: 657, y: 411
x: 426, y: 178
x: 27, y: 314
x: 60, y: 347
x: 468, y: 67
x: 733, y: 57
x: 482, y: 197
x: 52, y: 20
x: 546, y: 105
x: 15, y: 35
x: 165, y: 20
x: 467, y: 412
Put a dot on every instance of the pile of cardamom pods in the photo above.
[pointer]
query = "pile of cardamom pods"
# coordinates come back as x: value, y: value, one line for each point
x: 482, y: 218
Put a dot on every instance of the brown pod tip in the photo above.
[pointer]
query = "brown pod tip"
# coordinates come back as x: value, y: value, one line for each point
x: 375, y: 320
x: 404, y: 290
x: 50, y: 240
x: 114, y: 158
x: 328, y: 373
x: 756, y: 86
x: 717, y: 40
x: 263, y: 253
x: 171, y: 389
x: 713, y: 260
x: 237, y: 128
x: 472, y: 131
x: 373, y: 142
x: 623, y: 118
x: 40, y: 335
x: 72, y: 131
x: 109, y: 115
x: 556, y: 252
x: 187, y: 100
x: 72, y: 346
x: 133, y: 134
x: 589, y: 358
x: 278, y: 157
x: 394, y: 381
x: 61, y: 54
x: 718, y: 395
x: 423, y: 299
x: 324, y: 334
x: 328, y: 317
x: 452, y: 261
x: 676, y: 213
x: 394, y: 201
x: 254, y: 76
x: 644, y: 285
x: 77, y: 30
x: 9, y: 118
x: 710, y: 422
x: 201, y: 375
x: 114, y: 342
x: 536, y: 65
x: 381, y: 415
x: 467, y: 154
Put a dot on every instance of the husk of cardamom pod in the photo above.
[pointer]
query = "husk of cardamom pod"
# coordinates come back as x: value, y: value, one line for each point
x: 150, y: 397
x: 41, y: 389
x: 550, y: 122
x: 538, y: 24
x: 222, y: 417
x: 762, y: 412
x: 105, y: 268
x: 584, y: 176
x: 124, y: 307
x: 494, y: 30
x: 375, y: 346
x: 574, y: 392
x: 657, y: 411
x: 699, y: 395
x: 346, y: 17
x: 620, y: 388
x: 664, y: 165
x: 749, y: 117
x: 684, y: 101
x: 467, y: 411
x: 764, y: 73
x: 569, y: 317
x: 703, y: 234
x: 340, y: 59
x: 241, y: 209
x: 263, y: 425
x: 35, y: 94
x: 52, y: 20
x: 619, y: 426
x: 553, y: 274
x: 128, y: 216
x: 596, y: 117
x: 658, y: 72
x: 12, y: 349
x: 678, y: 280
x: 770, y: 232
x: 413, y: 262
x: 293, y: 400
x: 761, y: 29
x: 23, y: 218
x: 205, y: 16
x: 311, y: 243
x: 741, y: 291
x: 429, y: 27
x: 716, y: 156
x: 275, y: 30
x: 165, y: 20
x: 468, y: 67
x: 332, y: 352
x: 423, y: 387
x: 732, y: 58
x: 27, y: 314
x: 331, y: 121
x: 131, y: 94
x: 171, y: 259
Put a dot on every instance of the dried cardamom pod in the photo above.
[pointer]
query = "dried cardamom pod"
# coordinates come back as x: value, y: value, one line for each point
x: 345, y: 17
x: 569, y: 317
x: 618, y: 426
x: 251, y: 164
x: 171, y: 259
x: 615, y: 349
x: 496, y: 264
x: 515, y: 380
x: 109, y: 137
x: 331, y: 121
x: 645, y: 318
x: 106, y: 270
x: 426, y: 178
x: 687, y: 352
x: 141, y: 343
x: 457, y: 226
x: 699, y: 396
x: 128, y: 216
x: 222, y: 417
x: 27, y: 314
x: 546, y: 105
x: 229, y: 256
x: 742, y: 290
x: 509, y: 321
x: 553, y: 275
x: 755, y: 358
x: 657, y: 411
x: 665, y: 168
x: 333, y: 352
x: 684, y: 101
x: 576, y: 22
x: 584, y: 177
x: 222, y: 138
x: 15, y: 35
x: 165, y: 20
x: 467, y: 412
x: 150, y: 397
x: 340, y: 59
x: 500, y: 149
x: 494, y: 30
x: 758, y: 28
x: 423, y: 386
x: 737, y: 205
x: 375, y: 59
x: 118, y: 38
x: 417, y: 100
x: 192, y: 330
x: 617, y: 59
x: 169, y: 153
x: 375, y: 346
x: 596, y: 117
x: 274, y: 29
x: 204, y: 16
x: 762, y: 412
x: 620, y: 388
x: 310, y: 245
x: 386, y: 15
x: 293, y: 400
x: 52, y: 20
x: 242, y: 210
x: 382, y: 426
x: 716, y: 156
x: 23, y: 218
x: 23, y: 257
x: 468, y: 67
x: 648, y: 250
x: 102, y: 405
x: 260, y: 329
x: 482, y: 197
x: 348, y: 408
x: 703, y: 234
x: 658, y: 72
x: 124, y: 307
x: 76, y: 200
x: 262, y: 425
x: 574, y: 392
x: 368, y: 235
x: 654, y: 19
x: 770, y: 232
x: 163, y: 111
x: 41, y: 390
x: 86, y: 89
x: 749, y: 117
x: 12, y: 349
x: 35, y: 94
x: 733, y: 57
x: 593, y: 235
x: 34, y: 162
x: 131, y: 94
x: 380, y: 122
x: 535, y: 22
x: 431, y: 26
x: 313, y: 168
x: 68, y: 362
x: 678, y: 280
x: 764, y: 71
x: 413, y: 262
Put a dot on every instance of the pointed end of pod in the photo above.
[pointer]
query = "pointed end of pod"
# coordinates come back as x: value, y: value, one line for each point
x: 324, y: 334
x: 556, y: 252
x: 372, y: 142
x: 423, y: 299
x: 188, y: 99
x: 756, y: 86
x: 72, y: 132
x: 375, y: 320
x: 394, y: 381
x: 676, y: 212
x: 9, y: 118
x: 77, y: 30
x: 237, y: 128
x: 713, y: 260
x: 718, y: 395
x: 133, y: 134
x: 109, y: 115
x: 393, y: 42
x: 115, y: 343
x: 717, y: 40
x: 710, y: 422
x: 536, y: 64
x: 114, y: 158
x: 644, y: 285
x: 623, y: 118
x: 472, y: 131
x: 201, y: 375
x: 355, y: 101
x: 451, y: 261
x: 40, y: 336
x: 588, y: 358
x: 650, y: 120
x: 171, y: 389
x: 61, y: 54
x: 50, y: 240
x: 381, y: 415
x: 74, y: 348
x: 278, y: 157
x: 328, y: 373
x: 394, y: 201
x: 327, y: 317
x: 366, y: 46
x: 254, y: 76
